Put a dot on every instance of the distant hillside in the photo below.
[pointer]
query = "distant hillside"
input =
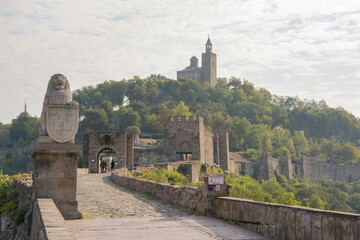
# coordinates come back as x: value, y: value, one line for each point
x: 256, y: 120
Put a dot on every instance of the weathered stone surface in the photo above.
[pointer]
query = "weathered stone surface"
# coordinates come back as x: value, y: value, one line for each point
x: 283, y: 222
x: 55, y: 174
x: 189, y: 197
x: 62, y: 122
x: 48, y: 223
x: 121, y: 143
x: 60, y: 114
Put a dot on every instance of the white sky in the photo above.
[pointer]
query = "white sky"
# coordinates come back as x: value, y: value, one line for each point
x: 306, y: 48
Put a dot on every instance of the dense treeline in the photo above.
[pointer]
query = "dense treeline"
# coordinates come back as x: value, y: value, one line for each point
x: 256, y: 120
x: 21, y: 132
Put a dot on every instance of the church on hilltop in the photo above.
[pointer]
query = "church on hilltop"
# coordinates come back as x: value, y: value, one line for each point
x: 207, y: 71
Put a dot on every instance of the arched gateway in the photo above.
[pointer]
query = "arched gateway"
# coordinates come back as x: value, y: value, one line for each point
x: 107, y: 146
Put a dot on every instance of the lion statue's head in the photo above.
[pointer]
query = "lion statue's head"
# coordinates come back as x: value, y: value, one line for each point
x: 59, y: 81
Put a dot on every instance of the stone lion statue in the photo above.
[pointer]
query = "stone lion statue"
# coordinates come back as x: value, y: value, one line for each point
x: 57, y: 93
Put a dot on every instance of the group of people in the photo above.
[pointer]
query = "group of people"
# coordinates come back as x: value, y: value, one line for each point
x: 103, y: 166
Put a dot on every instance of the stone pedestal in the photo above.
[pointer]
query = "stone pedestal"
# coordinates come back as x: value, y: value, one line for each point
x: 55, y: 174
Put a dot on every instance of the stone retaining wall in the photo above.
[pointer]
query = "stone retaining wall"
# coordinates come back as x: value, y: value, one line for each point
x: 188, y: 197
x: 279, y: 222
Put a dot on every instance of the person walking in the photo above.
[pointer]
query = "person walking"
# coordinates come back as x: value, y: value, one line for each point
x: 112, y: 165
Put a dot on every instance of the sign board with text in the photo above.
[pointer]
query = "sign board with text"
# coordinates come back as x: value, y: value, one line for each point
x: 216, y: 180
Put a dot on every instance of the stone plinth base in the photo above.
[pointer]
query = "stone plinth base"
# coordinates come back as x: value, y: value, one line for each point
x: 55, y: 174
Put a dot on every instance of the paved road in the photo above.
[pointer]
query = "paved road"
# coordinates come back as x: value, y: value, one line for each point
x: 113, y: 212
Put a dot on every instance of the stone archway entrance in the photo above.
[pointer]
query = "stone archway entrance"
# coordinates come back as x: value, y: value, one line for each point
x: 107, y: 155
x: 118, y: 145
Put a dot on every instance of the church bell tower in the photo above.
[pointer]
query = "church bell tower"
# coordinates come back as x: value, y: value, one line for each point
x: 208, y: 67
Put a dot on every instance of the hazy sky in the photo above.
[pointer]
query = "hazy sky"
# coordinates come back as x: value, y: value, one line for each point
x: 309, y: 48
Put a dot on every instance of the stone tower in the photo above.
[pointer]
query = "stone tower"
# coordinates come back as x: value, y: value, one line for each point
x: 207, y: 71
x: 208, y: 65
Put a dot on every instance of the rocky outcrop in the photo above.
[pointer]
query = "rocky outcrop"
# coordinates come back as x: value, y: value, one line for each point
x: 17, y: 224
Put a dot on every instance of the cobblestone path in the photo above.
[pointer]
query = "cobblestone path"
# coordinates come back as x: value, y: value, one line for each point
x: 113, y: 212
x: 99, y: 197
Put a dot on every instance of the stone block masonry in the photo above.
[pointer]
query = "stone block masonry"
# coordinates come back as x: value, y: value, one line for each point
x: 188, y: 197
x: 283, y: 222
x: 274, y: 221
x: 48, y: 223
x: 121, y: 143
x: 55, y: 174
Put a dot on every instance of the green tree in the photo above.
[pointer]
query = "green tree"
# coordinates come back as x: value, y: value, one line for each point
x: 182, y: 110
x: 134, y: 130
x: 354, y: 202
x: 95, y: 120
x: 300, y: 143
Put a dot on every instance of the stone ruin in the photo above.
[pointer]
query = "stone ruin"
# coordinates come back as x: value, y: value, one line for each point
x: 55, y: 153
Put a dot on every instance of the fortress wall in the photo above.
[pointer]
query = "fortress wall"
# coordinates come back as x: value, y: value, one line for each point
x: 11, y: 150
x: 208, y: 147
x: 282, y: 222
x: 188, y: 197
x: 143, y: 157
x: 316, y: 170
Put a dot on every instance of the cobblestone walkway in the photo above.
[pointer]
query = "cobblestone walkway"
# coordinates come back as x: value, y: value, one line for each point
x: 113, y: 212
x: 99, y: 197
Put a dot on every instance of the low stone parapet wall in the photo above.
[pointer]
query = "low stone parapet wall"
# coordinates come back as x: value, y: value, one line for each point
x: 188, y: 197
x: 48, y: 223
x: 279, y: 222
x: 82, y: 171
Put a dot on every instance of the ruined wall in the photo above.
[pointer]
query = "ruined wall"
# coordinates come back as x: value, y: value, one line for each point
x: 224, y: 151
x: 188, y: 197
x: 150, y: 156
x: 316, y: 170
x: 129, y: 150
x: 310, y: 168
x: 283, y: 222
x: 208, y: 147
x: 266, y: 166
x: 11, y: 150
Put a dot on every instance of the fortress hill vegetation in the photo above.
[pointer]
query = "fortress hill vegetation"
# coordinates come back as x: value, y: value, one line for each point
x: 257, y: 121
